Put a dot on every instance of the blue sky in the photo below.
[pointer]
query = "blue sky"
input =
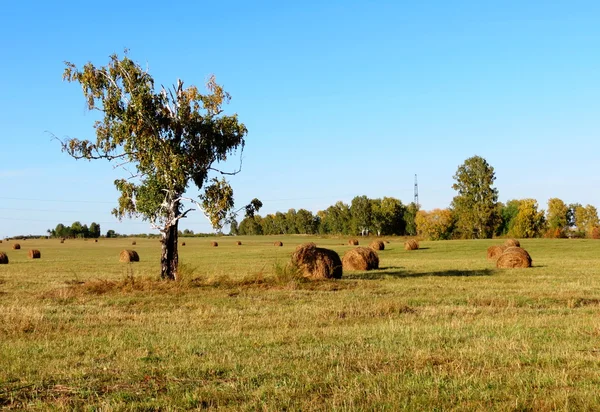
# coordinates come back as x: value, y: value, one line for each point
x: 341, y: 98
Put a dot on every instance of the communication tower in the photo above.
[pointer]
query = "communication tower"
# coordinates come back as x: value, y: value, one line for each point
x: 416, y: 191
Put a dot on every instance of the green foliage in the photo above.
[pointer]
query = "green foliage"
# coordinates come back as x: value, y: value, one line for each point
x: 95, y: 231
x: 388, y: 216
x: 290, y: 222
x: 306, y: 223
x: 216, y: 201
x: 362, y: 215
x: 475, y: 206
x: 251, y: 226
x: 170, y: 137
x: 529, y: 222
x: 507, y: 213
x: 336, y: 219
x: 76, y: 230
x: 557, y: 217
x: 233, y: 227
x: 410, y: 219
x: 586, y: 219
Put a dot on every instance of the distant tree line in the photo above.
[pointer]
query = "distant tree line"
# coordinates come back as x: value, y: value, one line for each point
x: 77, y: 230
x: 364, y: 216
x: 475, y: 213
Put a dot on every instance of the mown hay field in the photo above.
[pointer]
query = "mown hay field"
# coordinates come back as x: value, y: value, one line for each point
x: 435, y: 328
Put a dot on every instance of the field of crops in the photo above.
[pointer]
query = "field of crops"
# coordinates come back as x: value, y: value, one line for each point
x: 436, y: 328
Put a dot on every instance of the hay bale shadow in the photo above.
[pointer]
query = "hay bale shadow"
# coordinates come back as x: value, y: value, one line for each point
x: 400, y: 272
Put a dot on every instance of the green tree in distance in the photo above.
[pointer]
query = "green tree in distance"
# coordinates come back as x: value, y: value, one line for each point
x: 586, y: 219
x: 557, y: 217
x: 336, y: 219
x: 410, y: 215
x: 529, y: 222
x: 361, y: 211
x: 95, y: 230
x: 507, y: 214
x: 170, y: 138
x: 475, y: 206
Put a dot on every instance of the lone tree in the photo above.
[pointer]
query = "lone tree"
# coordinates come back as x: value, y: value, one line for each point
x: 169, y: 138
x: 475, y: 206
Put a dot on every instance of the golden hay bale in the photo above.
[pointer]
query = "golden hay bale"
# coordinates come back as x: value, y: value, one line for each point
x: 0, y: 241
x: 411, y: 244
x: 3, y: 258
x: 514, y: 257
x: 239, y: 243
x: 516, y: 249
x: 493, y: 252
x: 129, y: 256
x: 278, y: 243
x: 62, y: 240
x: 214, y: 244
x: 316, y: 262
x: 360, y: 258
x: 182, y: 243
x: 16, y: 246
x: 353, y: 242
x: 512, y: 242
x: 134, y: 243
x: 377, y: 245
x: 34, y: 254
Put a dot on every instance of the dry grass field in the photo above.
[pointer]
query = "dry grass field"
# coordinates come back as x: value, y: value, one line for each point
x: 438, y: 328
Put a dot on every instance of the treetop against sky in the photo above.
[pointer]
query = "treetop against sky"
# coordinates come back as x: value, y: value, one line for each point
x: 340, y: 99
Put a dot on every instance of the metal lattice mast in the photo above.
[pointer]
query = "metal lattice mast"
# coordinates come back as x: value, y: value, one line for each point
x: 416, y: 191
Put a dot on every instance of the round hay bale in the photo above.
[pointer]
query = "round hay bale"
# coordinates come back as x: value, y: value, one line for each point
x: 377, y: 245
x: 316, y: 262
x: 360, y: 258
x: 16, y: 246
x: 134, y: 243
x: 0, y: 241
x: 411, y: 244
x: 34, y: 254
x: 516, y: 249
x: 129, y: 256
x: 353, y: 242
x: 239, y: 243
x: 512, y: 242
x: 182, y: 243
x: 278, y: 243
x: 95, y: 240
x: 62, y: 240
x: 214, y: 244
x: 3, y: 258
x: 514, y: 257
x: 493, y: 252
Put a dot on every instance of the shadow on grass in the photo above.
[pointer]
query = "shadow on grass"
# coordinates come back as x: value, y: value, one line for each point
x: 399, y: 272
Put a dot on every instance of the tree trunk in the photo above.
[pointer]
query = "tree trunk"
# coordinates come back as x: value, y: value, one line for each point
x: 169, y: 257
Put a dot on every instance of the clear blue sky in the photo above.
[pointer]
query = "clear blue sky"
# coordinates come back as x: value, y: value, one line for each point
x: 341, y: 98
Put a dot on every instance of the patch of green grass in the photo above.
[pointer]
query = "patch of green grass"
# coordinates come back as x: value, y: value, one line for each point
x: 436, y: 328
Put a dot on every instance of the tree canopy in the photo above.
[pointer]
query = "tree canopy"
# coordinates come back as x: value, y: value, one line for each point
x: 475, y: 206
x: 167, y: 139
